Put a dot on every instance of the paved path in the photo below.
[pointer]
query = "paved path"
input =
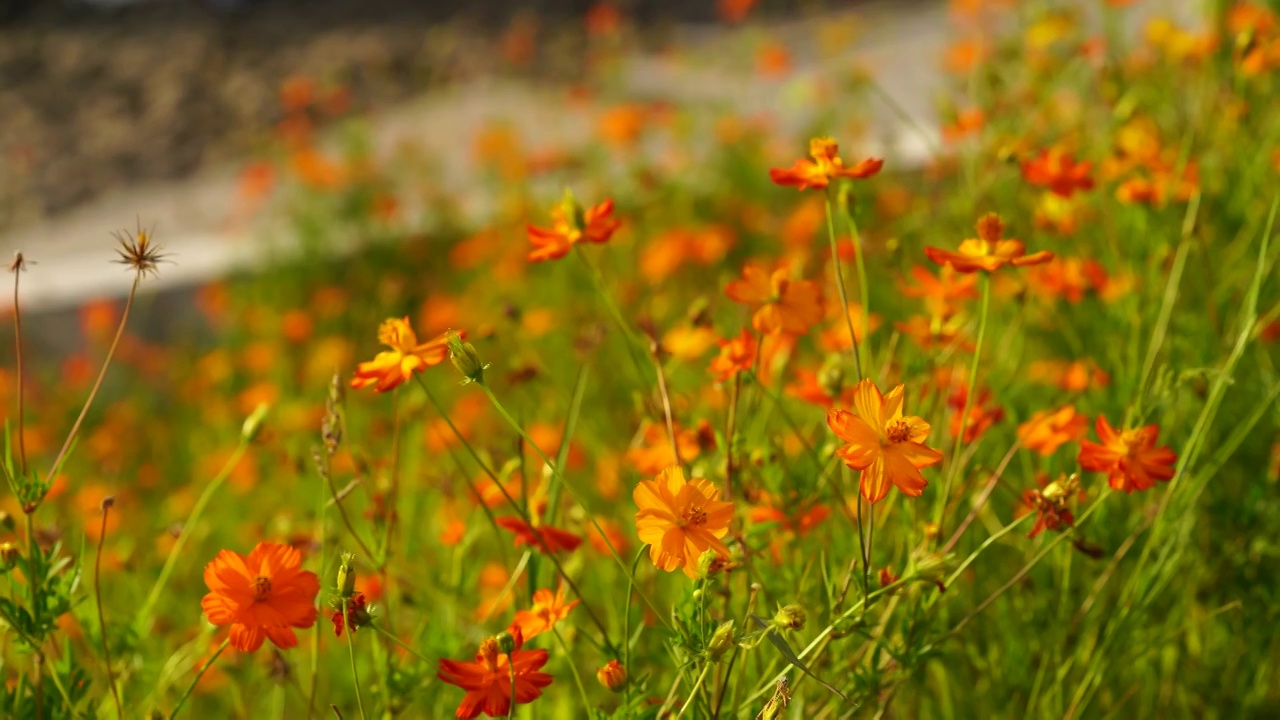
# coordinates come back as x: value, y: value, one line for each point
x: 901, y: 43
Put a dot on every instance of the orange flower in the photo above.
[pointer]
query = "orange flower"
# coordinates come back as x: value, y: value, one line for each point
x: 782, y: 305
x: 548, y: 609
x: 1131, y: 458
x: 1058, y: 171
x: 654, y: 453
x: 571, y: 225
x: 941, y: 294
x: 825, y: 165
x: 681, y: 519
x: 989, y: 251
x: 736, y: 355
x: 887, y: 446
x: 1073, y: 376
x: 612, y: 675
x: 545, y: 538
x: 930, y: 334
x: 1048, y: 430
x: 819, y: 388
x: 390, y: 368
x: 488, y: 679
x: 265, y: 595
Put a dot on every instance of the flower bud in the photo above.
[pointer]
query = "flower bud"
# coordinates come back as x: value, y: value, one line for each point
x: 612, y: 676
x: 790, y: 617
x: 506, y: 642
x: 721, y: 641
x: 347, y: 575
x: 6, y: 521
x: 464, y: 357
x: 9, y: 555
x: 705, y: 561
x: 253, y: 423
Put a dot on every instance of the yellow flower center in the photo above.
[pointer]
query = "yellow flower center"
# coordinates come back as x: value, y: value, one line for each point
x: 261, y: 588
x: 898, y: 431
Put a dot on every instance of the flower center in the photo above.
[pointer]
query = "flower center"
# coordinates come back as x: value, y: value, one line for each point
x: 261, y: 588
x: 898, y: 431
x: 489, y: 654
x: 694, y: 516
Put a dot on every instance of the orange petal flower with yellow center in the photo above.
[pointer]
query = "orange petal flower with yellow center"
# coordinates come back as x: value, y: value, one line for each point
x: 570, y: 225
x: 1056, y: 170
x: 825, y: 165
x: 548, y: 609
x: 681, y: 519
x: 262, y: 596
x: 989, y: 251
x: 391, y: 368
x: 782, y: 305
x: 887, y: 446
x: 1131, y: 459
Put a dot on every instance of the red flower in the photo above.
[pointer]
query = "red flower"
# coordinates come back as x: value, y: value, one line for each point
x: 1057, y: 171
x: 988, y: 252
x: 546, y: 539
x: 1131, y: 458
x: 488, y: 679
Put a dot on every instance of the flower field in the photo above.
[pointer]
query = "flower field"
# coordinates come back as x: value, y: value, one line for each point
x: 705, y: 419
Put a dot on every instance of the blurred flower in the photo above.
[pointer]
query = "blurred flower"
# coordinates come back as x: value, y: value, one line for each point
x: 1048, y: 430
x: 1058, y: 171
x: 887, y: 446
x: 548, y: 609
x: 546, y: 539
x: 680, y: 519
x: 654, y: 453
x: 942, y: 293
x: 1130, y: 458
x: 982, y: 413
x: 390, y: 368
x: 988, y: 252
x: 488, y: 682
x: 825, y: 165
x: 782, y: 305
x: 612, y: 675
x: 1050, y: 504
x: 264, y: 595
x: 1073, y: 376
x: 570, y: 224
x: 736, y: 355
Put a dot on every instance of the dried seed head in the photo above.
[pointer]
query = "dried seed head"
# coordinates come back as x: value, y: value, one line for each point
x: 138, y: 251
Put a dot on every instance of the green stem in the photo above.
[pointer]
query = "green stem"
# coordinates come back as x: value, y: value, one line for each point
x: 844, y: 297
x: 511, y: 669
x: 355, y: 675
x: 573, y: 668
x: 397, y: 641
x: 146, y: 617
x: 315, y: 633
x: 612, y: 308
x: 970, y: 392
x: 864, y: 288
x: 196, y: 681
x: 693, y: 694
x: 626, y: 625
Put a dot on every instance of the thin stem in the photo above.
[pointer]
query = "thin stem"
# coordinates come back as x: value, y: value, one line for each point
x: 315, y: 633
x: 982, y: 498
x: 102, y: 618
x: 666, y: 403
x: 355, y: 675
x: 844, y: 297
x: 559, y: 476
x: 864, y: 288
x: 612, y: 308
x: 573, y: 668
x: 17, y: 343
x: 106, y: 362
x: 511, y: 670
x: 626, y: 625
x: 145, y: 616
x: 853, y: 564
x: 728, y: 436
x: 693, y: 694
x: 196, y: 681
x: 970, y: 391
x: 524, y: 515
x: 37, y: 605
x: 397, y: 641
x: 346, y: 520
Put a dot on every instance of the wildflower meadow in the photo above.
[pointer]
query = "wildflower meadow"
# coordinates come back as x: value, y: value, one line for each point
x: 713, y: 417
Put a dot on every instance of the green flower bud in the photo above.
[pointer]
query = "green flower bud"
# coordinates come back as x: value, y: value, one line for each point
x: 790, y: 617
x: 253, y: 423
x: 464, y: 357
x: 347, y: 575
x: 721, y: 641
x: 506, y: 642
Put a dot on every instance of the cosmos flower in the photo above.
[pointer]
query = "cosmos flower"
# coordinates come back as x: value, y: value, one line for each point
x: 782, y: 305
x: 570, y: 225
x: 988, y: 252
x: 825, y: 165
x: 548, y: 609
x: 1131, y: 459
x: 887, y: 446
x: 391, y: 368
x: 487, y: 680
x: 264, y: 595
x: 680, y: 519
